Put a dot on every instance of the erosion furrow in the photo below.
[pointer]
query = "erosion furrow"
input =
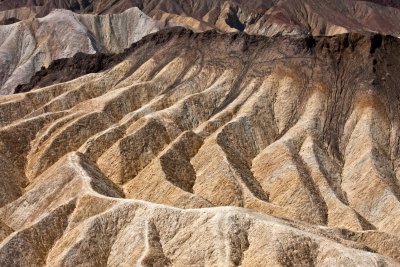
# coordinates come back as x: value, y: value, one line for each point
x: 194, y: 149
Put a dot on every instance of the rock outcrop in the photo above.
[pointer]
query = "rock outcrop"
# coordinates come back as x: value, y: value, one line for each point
x: 263, y: 17
x: 29, y: 45
x: 195, y: 149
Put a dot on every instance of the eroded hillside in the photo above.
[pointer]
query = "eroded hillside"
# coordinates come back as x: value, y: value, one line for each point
x: 195, y: 149
x: 29, y: 45
x: 263, y: 17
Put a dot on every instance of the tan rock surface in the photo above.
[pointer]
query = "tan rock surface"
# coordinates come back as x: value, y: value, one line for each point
x: 82, y: 226
x: 28, y: 43
x: 208, y: 149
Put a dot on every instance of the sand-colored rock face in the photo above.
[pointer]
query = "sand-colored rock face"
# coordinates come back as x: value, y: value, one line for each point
x: 34, y: 33
x: 208, y: 149
x: 27, y: 46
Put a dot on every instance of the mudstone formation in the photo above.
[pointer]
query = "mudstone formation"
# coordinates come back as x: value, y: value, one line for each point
x: 199, y: 133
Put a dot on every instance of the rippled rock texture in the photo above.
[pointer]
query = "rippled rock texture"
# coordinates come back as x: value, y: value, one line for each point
x: 195, y: 149
x: 33, y: 34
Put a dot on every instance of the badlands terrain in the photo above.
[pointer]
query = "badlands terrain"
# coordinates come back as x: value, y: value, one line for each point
x: 199, y: 133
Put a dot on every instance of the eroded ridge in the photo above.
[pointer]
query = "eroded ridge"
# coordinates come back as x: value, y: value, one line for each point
x: 209, y: 149
x: 261, y: 17
x: 32, y: 44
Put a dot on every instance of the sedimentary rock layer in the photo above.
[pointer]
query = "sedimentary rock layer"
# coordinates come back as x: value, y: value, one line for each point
x: 27, y: 46
x: 265, y: 17
x: 209, y: 149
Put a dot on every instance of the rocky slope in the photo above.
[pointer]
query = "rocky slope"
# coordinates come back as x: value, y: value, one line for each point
x: 290, y: 17
x: 330, y: 17
x: 266, y: 17
x: 195, y: 149
x: 29, y: 45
